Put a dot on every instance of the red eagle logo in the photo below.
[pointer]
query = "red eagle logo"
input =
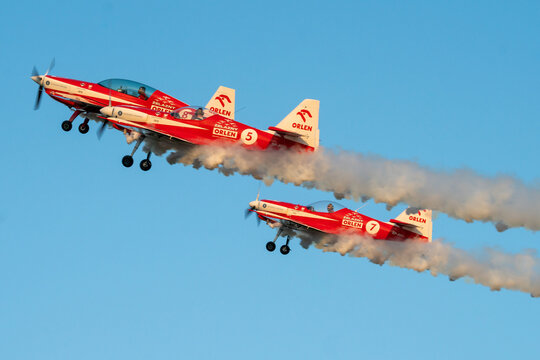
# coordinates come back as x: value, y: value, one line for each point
x: 221, y: 98
x: 302, y: 114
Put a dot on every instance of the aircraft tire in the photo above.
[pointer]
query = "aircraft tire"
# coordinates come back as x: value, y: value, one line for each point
x: 285, y: 249
x: 145, y: 165
x: 127, y: 161
x: 83, y: 128
x: 270, y: 246
x: 66, y: 125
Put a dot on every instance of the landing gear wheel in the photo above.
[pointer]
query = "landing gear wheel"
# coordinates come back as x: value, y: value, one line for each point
x: 83, y: 128
x: 127, y: 161
x: 66, y: 125
x: 285, y: 249
x: 146, y: 165
x: 270, y: 246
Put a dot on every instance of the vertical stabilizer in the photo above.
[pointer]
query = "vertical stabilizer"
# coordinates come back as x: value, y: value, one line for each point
x: 420, y: 221
x: 304, y: 121
x: 222, y: 102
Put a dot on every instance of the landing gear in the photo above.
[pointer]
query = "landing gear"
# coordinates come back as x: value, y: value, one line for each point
x: 83, y: 128
x: 66, y: 125
x: 127, y: 160
x: 146, y: 164
x: 270, y: 246
x: 285, y: 249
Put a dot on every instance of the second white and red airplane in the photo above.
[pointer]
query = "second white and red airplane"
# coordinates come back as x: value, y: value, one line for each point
x: 200, y: 126
x: 86, y: 99
x: 328, y: 217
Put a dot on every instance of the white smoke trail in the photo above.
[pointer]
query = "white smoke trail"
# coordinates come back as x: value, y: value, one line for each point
x: 462, y: 194
x: 490, y: 267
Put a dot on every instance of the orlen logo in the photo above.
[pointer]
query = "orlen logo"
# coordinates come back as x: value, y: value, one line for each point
x: 221, y: 98
x: 225, y: 129
x: 417, y: 219
x: 219, y: 111
x: 302, y: 114
x: 353, y: 220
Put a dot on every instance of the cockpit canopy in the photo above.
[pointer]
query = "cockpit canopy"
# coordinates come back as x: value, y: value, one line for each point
x: 128, y: 87
x: 325, y: 206
x: 192, y: 113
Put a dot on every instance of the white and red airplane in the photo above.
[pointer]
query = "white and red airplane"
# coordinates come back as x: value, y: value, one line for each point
x: 331, y: 218
x: 212, y: 125
x: 87, y: 99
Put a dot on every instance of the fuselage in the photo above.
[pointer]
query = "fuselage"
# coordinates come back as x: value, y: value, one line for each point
x: 91, y: 97
x: 342, y: 221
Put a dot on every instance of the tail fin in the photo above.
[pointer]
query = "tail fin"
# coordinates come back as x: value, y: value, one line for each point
x: 415, y: 220
x: 303, y: 123
x: 222, y: 102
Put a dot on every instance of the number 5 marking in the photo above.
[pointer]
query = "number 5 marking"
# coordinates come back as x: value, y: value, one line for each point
x: 249, y: 136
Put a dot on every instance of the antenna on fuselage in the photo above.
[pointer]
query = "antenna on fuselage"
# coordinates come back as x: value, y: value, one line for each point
x: 360, y: 207
x: 258, y: 192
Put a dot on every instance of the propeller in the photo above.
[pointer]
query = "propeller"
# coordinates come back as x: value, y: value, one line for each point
x: 39, y: 79
x: 51, y: 66
x: 101, y: 129
x: 250, y: 210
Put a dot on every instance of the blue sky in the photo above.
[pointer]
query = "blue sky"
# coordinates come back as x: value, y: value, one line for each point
x: 99, y: 261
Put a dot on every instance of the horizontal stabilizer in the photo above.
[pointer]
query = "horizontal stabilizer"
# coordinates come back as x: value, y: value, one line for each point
x: 403, y: 224
x: 284, y: 132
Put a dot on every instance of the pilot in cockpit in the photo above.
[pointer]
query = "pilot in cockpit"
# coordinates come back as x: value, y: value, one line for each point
x: 198, y: 115
x: 330, y: 208
x: 142, y: 93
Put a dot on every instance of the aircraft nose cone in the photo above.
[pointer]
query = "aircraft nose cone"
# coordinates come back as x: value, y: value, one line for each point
x: 107, y: 111
x: 253, y: 204
x: 36, y: 78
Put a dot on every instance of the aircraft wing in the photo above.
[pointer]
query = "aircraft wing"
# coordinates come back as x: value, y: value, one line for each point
x: 144, y: 130
x: 79, y: 105
x: 287, y: 221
